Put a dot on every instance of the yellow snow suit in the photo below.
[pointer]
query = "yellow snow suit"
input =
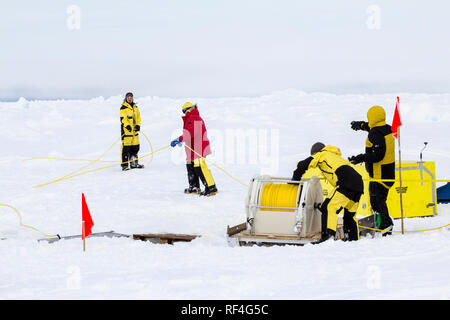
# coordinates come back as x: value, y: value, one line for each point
x: 130, y: 117
x: 380, y: 147
x: 348, y: 186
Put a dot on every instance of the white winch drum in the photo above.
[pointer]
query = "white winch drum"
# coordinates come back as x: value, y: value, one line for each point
x: 276, y: 207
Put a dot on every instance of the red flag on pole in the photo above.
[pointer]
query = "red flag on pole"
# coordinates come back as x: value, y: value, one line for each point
x: 397, y: 122
x: 86, y: 217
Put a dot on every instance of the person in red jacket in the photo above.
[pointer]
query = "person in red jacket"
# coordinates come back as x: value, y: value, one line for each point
x: 197, y: 147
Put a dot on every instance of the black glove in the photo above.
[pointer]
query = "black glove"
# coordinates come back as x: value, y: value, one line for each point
x: 128, y: 127
x: 356, y: 125
x: 137, y: 128
x: 357, y: 159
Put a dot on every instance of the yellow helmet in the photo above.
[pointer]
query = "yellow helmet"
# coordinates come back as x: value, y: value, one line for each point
x: 187, y: 106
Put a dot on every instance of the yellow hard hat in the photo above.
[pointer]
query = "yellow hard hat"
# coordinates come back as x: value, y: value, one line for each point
x: 186, y: 106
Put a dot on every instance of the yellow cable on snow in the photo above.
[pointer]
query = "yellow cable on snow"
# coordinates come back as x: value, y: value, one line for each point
x: 98, y: 169
x: 73, y: 174
x: 82, y: 168
x: 70, y: 159
x: 405, y: 180
x: 392, y: 231
x: 218, y: 167
x: 89, y: 160
x: 151, y: 148
x: 24, y: 225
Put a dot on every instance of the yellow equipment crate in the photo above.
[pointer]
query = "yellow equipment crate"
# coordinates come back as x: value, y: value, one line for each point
x: 418, y: 190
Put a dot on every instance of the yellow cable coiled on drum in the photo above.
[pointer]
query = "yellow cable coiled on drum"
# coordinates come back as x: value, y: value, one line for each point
x: 279, y: 195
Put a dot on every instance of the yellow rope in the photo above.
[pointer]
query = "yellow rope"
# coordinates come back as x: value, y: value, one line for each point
x: 98, y: 169
x: 82, y: 168
x: 24, y: 225
x: 89, y: 160
x: 392, y: 231
x: 151, y: 148
x: 69, y: 159
x: 218, y: 167
x: 404, y: 180
x: 321, y: 177
x: 72, y: 174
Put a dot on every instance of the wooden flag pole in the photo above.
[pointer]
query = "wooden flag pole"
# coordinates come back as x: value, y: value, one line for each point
x: 84, y: 238
x: 400, y: 177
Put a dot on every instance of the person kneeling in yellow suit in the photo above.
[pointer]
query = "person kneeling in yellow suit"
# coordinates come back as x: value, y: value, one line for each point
x: 345, y: 197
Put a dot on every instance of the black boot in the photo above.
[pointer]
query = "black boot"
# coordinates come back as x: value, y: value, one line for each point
x: 135, y: 165
x: 378, y: 197
x: 350, y: 226
x: 125, y: 164
x: 193, y: 180
x: 209, y: 191
x: 326, y: 235
x: 386, y: 226
x: 383, y: 223
x: 192, y: 190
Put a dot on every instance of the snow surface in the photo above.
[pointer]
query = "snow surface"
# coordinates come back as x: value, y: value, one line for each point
x: 286, y: 123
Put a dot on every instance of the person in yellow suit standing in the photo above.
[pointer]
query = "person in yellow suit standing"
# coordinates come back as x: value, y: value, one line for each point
x: 130, y: 125
x: 379, y: 158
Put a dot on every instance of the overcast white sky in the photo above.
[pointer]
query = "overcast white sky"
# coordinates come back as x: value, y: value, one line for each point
x: 211, y: 48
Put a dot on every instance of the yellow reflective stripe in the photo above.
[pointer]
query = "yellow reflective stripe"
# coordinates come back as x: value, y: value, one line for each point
x: 200, y: 162
x: 131, y: 141
x: 389, y: 156
x: 207, y: 173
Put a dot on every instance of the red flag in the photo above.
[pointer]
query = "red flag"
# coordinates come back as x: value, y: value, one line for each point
x: 397, y: 122
x: 86, y: 217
